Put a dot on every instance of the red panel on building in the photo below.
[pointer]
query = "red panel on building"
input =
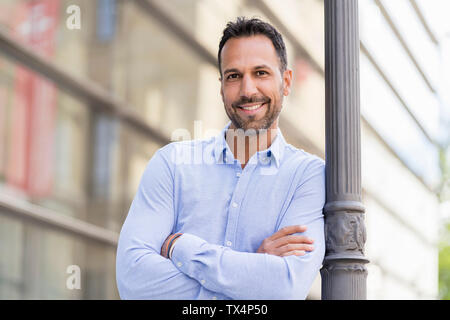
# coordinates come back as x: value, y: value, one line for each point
x: 3, y: 104
x: 31, y: 156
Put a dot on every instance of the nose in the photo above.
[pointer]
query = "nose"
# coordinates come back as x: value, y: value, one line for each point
x: 248, y: 87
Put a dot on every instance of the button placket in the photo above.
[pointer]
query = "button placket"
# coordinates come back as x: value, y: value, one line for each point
x: 236, y: 203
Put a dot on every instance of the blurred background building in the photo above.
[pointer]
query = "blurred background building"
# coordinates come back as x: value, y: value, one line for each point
x: 82, y: 110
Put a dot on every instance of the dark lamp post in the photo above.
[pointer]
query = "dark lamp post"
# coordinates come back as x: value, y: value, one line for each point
x: 343, y: 273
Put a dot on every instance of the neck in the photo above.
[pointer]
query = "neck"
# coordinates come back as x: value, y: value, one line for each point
x: 245, y: 144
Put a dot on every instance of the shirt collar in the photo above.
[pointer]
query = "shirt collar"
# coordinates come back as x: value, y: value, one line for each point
x: 222, y: 150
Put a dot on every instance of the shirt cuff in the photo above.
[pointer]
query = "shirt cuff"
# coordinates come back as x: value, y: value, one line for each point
x: 188, y: 250
x: 183, y: 250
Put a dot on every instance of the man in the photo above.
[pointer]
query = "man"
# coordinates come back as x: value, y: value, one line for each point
x: 241, y: 223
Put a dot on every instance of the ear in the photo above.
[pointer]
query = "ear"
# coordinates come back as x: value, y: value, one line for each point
x: 221, y: 89
x: 287, y: 82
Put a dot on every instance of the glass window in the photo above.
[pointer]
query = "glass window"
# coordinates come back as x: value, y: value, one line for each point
x: 424, y: 50
x: 11, y: 253
x: 118, y: 46
x: 131, y: 157
x: 154, y: 71
x: 43, y: 139
x: 383, y: 110
x: 36, y: 264
x: 436, y: 14
x: 41, y: 25
x: 395, y: 63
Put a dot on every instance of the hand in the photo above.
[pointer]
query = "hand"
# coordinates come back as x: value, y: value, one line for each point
x: 282, y: 243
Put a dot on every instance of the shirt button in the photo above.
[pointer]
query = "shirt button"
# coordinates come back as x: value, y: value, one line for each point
x: 214, y: 298
x: 202, y: 281
x: 234, y: 204
x: 229, y: 243
x: 265, y: 160
x: 179, y: 264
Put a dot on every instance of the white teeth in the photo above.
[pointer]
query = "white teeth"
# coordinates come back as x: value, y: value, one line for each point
x: 252, y: 108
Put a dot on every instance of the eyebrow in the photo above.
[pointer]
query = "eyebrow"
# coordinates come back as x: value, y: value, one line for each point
x: 230, y: 70
x: 262, y: 66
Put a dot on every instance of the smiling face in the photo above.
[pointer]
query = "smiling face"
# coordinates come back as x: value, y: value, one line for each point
x: 252, y: 86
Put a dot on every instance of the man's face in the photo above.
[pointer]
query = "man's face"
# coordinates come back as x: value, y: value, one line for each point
x: 252, y: 86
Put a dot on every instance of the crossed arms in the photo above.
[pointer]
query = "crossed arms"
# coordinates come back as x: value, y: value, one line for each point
x: 201, y: 270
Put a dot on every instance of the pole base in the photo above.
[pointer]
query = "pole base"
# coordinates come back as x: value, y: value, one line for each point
x: 344, y: 280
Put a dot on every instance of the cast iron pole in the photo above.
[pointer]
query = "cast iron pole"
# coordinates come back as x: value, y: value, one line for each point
x: 343, y: 273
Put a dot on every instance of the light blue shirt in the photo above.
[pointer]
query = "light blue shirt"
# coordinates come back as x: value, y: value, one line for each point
x: 224, y: 212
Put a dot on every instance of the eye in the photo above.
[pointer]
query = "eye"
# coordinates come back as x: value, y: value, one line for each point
x: 261, y: 73
x: 232, y: 76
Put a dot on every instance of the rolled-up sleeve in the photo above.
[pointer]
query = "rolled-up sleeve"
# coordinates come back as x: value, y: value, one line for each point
x: 141, y: 272
x: 243, y: 275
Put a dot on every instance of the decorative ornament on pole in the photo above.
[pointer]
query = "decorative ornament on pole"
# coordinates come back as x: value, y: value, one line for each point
x: 343, y: 273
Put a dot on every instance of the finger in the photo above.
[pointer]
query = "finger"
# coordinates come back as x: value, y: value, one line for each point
x: 286, y: 231
x: 294, y: 253
x: 294, y: 247
x: 295, y: 239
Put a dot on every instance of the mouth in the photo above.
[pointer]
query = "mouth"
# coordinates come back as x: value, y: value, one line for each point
x: 251, y: 108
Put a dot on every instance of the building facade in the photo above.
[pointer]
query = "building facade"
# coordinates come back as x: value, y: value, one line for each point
x: 85, y: 103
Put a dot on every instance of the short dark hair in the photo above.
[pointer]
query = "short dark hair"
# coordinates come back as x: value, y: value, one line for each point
x: 244, y: 27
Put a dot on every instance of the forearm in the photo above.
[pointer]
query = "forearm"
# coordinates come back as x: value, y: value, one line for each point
x: 243, y: 275
x: 142, y: 274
